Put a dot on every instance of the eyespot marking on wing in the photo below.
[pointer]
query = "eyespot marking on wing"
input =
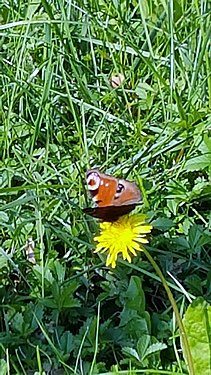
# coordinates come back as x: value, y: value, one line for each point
x: 93, y: 181
x: 119, y: 190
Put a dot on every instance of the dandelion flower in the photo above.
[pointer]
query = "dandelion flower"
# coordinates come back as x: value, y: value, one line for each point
x: 125, y: 235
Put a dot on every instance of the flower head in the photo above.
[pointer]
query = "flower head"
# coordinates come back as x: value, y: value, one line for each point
x: 126, y: 235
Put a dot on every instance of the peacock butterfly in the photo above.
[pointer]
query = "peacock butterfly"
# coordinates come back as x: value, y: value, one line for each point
x: 114, y: 197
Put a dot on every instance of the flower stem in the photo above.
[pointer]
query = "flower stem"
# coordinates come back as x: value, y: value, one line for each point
x: 183, y: 335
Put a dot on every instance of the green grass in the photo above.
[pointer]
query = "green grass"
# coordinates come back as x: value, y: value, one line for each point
x: 60, y: 116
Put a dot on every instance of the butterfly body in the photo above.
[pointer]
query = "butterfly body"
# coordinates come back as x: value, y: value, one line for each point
x: 114, y: 197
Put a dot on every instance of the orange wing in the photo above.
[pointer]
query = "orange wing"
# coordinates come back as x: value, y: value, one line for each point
x: 109, y: 191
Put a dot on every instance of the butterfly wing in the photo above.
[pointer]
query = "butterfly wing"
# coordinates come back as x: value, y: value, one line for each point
x: 102, y: 187
x: 113, y: 197
x: 109, y: 213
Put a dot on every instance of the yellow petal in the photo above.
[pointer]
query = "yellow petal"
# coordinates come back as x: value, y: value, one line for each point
x: 135, y: 245
x: 124, y: 236
x: 142, y: 240
x: 132, y: 250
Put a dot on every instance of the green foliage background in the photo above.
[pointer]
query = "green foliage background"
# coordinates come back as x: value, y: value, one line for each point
x: 60, y: 116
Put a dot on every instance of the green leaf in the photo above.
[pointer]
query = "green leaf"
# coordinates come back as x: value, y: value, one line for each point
x: 194, y: 235
x: 142, y: 345
x: 155, y: 348
x: 4, y: 218
x: 47, y: 274
x: 3, y: 259
x: 3, y: 367
x: 72, y: 303
x: 163, y: 224
x: 197, y: 322
x: 60, y: 270
x: 67, y: 342
x: 32, y: 8
x: 17, y: 322
x: 131, y: 353
x: 205, y: 146
x: 143, y: 89
x: 194, y: 284
x: 49, y: 302
x: 135, y: 295
x: 198, y: 162
x: 141, y: 93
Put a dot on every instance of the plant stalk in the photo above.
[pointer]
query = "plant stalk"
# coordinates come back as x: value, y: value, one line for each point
x: 176, y: 311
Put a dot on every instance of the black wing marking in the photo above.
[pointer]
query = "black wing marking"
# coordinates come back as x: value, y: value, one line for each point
x: 109, y: 213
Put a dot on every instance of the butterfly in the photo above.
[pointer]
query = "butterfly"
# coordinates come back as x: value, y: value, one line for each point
x: 113, y: 197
